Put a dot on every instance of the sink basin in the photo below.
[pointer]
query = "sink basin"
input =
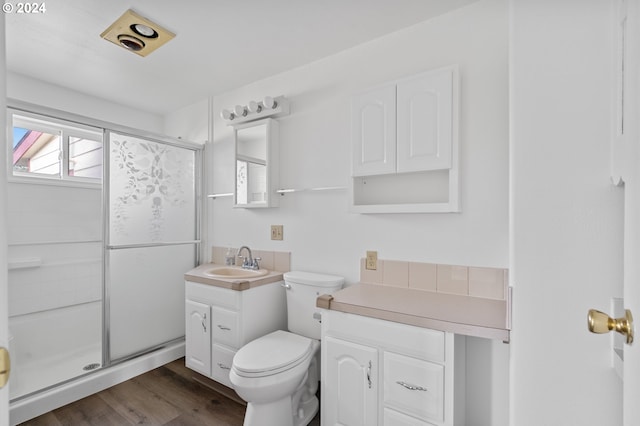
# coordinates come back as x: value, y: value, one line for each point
x: 235, y: 272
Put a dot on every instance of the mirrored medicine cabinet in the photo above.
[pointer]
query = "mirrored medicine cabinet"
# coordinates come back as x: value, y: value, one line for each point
x: 256, y: 156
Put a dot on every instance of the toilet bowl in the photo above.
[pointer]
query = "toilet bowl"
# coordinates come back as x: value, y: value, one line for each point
x: 277, y: 374
x: 272, y: 374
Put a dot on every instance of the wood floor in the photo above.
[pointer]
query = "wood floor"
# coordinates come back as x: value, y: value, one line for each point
x: 165, y: 396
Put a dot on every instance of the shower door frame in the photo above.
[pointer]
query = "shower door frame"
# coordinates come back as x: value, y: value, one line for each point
x: 197, y: 242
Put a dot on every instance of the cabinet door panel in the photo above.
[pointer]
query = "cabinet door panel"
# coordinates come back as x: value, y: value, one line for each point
x: 352, y: 377
x: 425, y: 122
x: 373, y: 127
x: 198, y: 337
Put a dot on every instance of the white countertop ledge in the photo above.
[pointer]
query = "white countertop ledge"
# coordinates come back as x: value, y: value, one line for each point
x: 459, y: 314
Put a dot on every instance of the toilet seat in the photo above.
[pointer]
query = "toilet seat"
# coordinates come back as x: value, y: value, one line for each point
x: 272, y: 354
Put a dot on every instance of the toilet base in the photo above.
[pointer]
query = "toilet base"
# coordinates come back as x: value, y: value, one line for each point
x: 309, y: 410
x: 279, y: 413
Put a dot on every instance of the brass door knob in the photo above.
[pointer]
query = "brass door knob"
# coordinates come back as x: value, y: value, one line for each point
x: 599, y: 322
x: 5, y: 367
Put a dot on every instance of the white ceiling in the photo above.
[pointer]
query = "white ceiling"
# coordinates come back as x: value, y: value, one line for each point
x: 219, y: 45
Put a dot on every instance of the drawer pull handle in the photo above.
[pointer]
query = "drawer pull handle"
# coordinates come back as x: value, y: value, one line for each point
x: 369, y: 374
x: 223, y: 367
x: 222, y: 327
x: 411, y: 387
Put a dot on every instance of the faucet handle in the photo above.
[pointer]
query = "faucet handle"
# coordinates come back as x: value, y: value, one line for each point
x: 256, y: 265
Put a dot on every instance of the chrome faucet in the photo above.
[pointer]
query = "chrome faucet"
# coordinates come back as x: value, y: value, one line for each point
x: 248, y: 262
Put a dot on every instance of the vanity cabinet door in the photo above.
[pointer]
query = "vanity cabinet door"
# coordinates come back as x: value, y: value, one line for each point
x: 198, y: 337
x: 352, y: 377
x: 373, y: 127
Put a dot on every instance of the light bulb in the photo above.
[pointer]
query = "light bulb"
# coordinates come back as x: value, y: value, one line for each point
x: 255, y: 106
x: 269, y: 102
x: 227, y: 115
x: 240, y: 110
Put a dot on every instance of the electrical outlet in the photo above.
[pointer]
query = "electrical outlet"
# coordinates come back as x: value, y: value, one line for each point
x: 372, y: 260
x: 276, y: 232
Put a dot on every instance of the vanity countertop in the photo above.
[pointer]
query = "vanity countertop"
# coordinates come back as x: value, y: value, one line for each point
x: 466, y: 315
x: 198, y: 275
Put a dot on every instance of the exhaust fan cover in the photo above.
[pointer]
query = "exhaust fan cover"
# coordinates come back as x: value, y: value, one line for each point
x: 137, y: 34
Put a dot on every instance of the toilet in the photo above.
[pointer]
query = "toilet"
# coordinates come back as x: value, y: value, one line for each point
x: 277, y: 374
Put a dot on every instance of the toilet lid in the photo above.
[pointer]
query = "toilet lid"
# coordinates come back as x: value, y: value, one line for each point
x: 271, y: 352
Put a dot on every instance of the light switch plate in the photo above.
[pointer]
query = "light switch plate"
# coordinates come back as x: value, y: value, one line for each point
x: 372, y: 260
x: 276, y: 232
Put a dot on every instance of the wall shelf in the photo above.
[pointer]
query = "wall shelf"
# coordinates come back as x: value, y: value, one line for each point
x: 221, y: 195
x: 284, y: 191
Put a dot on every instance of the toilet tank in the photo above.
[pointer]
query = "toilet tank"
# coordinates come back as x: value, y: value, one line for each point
x: 303, y: 288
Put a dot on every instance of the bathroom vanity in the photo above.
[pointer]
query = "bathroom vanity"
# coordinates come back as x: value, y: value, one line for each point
x: 378, y: 372
x: 396, y: 356
x: 223, y: 314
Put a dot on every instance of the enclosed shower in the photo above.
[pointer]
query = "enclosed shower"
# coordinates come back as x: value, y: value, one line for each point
x: 103, y: 223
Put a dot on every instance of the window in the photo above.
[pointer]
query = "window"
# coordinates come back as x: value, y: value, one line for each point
x: 48, y: 148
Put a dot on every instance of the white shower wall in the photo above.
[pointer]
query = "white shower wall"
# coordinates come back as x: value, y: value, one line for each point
x: 55, y: 283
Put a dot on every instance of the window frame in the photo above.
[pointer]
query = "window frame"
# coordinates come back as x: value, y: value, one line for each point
x: 66, y: 129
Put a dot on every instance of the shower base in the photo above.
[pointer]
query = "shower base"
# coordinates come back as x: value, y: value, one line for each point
x: 41, y: 402
x: 42, y: 373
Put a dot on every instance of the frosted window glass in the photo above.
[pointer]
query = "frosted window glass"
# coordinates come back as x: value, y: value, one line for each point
x: 151, y: 191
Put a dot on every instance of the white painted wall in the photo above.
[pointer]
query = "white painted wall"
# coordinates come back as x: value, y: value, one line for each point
x: 566, y: 220
x: 190, y: 123
x: 315, y: 152
x: 26, y: 89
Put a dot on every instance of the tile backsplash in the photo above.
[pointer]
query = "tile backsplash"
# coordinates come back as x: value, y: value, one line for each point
x: 272, y: 260
x: 488, y: 283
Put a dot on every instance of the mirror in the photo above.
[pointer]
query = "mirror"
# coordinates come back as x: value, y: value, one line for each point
x: 256, y: 168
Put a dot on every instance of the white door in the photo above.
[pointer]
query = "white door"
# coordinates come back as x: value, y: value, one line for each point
x: 626, y: 172
x: 4, y: 310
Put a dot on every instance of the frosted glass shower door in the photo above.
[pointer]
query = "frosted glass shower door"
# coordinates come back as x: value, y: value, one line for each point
x: 152, y: 241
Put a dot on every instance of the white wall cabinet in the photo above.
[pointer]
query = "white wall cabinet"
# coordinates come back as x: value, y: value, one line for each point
x: 220, y: 321
x: 377, y: 372
x: 404, y: 145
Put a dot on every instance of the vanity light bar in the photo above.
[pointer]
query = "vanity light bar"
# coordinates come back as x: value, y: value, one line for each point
x: 255, y: 110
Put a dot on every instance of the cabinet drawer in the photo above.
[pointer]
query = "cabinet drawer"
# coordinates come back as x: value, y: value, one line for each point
x: 414, y: 386
x: 394, y: 418
x: 221, y: 361
x: 225, y: 328
x: 419, y: 342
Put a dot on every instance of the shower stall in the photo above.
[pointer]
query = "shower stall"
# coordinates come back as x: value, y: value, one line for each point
x: 103, y: 223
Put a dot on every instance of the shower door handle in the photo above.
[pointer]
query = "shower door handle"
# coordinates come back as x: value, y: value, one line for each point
x: 5, y: 367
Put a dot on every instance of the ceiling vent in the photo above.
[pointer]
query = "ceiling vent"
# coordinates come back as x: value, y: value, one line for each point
x: 137, y: 34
